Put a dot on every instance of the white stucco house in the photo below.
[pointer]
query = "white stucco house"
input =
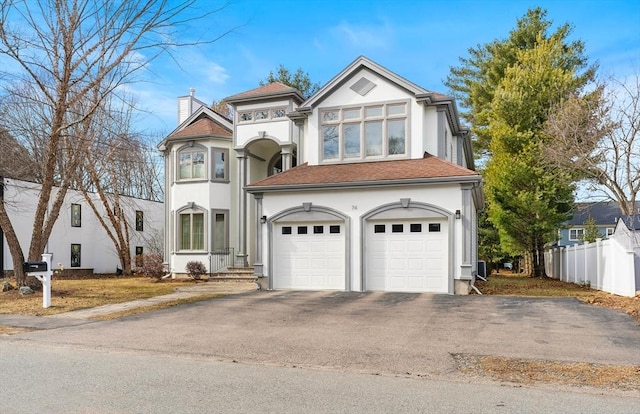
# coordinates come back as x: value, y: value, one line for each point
x: 78, y: 241
x: 368, y: 185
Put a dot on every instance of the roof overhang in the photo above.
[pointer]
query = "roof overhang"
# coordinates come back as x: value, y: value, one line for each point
x: 470, y: 179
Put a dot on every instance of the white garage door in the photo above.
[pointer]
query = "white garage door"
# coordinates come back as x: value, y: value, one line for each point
x: 309, y: 256
x: 407, y: 256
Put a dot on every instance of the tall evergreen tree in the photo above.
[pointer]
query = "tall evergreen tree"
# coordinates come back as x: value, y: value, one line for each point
x: 508, y: 87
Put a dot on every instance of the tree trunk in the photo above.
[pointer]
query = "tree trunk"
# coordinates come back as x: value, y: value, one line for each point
x: 537, y: 260
x: 528, y: 263
x: 14, y: 245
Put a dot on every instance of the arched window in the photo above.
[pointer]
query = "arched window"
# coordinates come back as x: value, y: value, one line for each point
x: 192, y: 163
x: 191, y: 229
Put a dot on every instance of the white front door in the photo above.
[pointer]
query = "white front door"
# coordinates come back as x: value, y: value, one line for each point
x: 309, y: 256
x: 407, y: 255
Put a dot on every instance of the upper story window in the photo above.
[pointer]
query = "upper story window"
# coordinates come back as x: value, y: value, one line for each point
x: 372, y: 131
x: 610, y: 231
x: 76, y: 215
x: 192, y: 163
x: 220, y: 161
x: 139, y: 220
x: 261, y: 115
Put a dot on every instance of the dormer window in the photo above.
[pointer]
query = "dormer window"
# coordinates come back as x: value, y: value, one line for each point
x: 363, y: 132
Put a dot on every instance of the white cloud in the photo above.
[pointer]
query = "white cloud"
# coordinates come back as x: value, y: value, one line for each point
x: 364, y: 36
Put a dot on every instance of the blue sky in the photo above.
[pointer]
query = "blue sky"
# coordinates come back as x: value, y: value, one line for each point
x: 419, y: 40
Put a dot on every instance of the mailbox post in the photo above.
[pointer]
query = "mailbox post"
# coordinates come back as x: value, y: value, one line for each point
x: 43, y: 271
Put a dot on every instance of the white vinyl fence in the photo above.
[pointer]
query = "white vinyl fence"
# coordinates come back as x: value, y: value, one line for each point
x: 611, y: 265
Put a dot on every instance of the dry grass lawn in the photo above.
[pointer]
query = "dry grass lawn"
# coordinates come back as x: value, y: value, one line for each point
x: 624, y: 378
x: 73, y: 294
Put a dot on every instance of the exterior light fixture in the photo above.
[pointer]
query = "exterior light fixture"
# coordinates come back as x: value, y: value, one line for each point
x: 263, y: 219
x: 457, y: 214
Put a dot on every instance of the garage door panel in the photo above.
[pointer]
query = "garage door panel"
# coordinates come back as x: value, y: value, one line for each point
x: 315, y: 260
x: 411, y: 260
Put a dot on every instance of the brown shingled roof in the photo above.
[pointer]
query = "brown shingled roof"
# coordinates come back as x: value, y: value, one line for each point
x: 422, y: 168
x: 273, y: 88
x: 203, y: 126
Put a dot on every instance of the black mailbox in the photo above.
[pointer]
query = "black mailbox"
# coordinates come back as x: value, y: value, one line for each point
x: 29, y: 267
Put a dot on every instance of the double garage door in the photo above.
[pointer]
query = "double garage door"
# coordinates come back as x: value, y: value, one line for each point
x: 309, y: 256
x: 400, y: 256
x: 407, y: 256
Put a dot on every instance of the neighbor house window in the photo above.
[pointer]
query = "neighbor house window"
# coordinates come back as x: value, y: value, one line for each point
x: 220, y: 165
x: 139, y: 259
x: 576, y: 234
x: 610, y: 231
x: 75, y: 255
x: 76, y: 215
x: 139, y: 220
x: 191, y: 231
x: 220, y: 230
x: 192, y: 163
x: 362, y: 132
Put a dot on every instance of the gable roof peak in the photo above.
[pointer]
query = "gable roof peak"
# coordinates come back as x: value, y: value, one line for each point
x: 359, y: 63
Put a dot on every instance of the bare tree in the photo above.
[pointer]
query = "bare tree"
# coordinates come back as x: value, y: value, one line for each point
x: 222, y: 108
x: 61, y: 60
x: 597, y: 137
x: 114, y: 169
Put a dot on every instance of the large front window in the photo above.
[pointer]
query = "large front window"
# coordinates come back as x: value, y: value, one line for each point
x: 192, y: 164
x: 191, y: 231
x: 374, y: 131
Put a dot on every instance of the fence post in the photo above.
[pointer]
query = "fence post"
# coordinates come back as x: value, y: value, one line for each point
x: 586, y: 263
x: 598, y: 262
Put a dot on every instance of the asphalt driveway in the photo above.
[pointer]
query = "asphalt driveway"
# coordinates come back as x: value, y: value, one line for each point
x: 387, y: 333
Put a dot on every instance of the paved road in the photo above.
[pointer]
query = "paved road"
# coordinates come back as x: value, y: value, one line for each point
x: 40, y: 379
x: 406, y: 339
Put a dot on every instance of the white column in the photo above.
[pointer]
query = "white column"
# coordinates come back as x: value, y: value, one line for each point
x: 241, y: 254
x: 258, y: 266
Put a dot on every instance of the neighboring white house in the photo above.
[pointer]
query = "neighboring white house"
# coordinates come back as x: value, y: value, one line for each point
x: 78, y: 240
x: 366, y: 185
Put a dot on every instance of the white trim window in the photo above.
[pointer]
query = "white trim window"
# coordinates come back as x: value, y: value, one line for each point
x: 220, y: 167
x: 220, y: 230
x: 364, y: 132
x: 576, y: 234
x: 610, y: 231
x: 192, y: 163
x: 191, y: 235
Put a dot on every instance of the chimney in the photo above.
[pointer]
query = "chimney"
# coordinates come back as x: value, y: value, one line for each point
x: 187, y: 105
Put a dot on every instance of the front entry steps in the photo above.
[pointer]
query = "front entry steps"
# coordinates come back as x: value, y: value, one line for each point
x: 233, y: 273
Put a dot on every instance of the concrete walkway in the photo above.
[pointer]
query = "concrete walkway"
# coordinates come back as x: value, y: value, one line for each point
x: 83, y: 316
